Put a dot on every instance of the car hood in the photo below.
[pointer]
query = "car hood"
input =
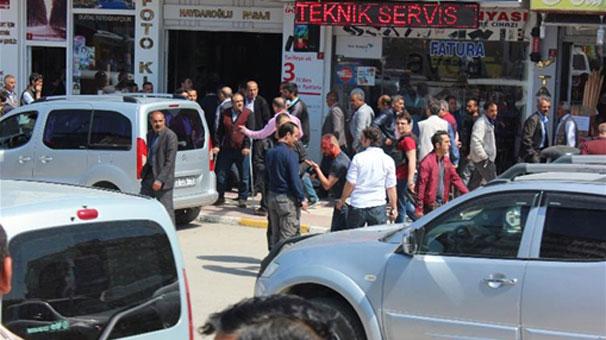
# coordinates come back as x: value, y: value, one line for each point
x: 360, y: 235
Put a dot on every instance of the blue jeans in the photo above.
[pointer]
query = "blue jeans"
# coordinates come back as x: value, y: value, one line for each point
x: 358, y: 217
x: 226, y: 158
x: 405, y: 206
x: 308, y: 187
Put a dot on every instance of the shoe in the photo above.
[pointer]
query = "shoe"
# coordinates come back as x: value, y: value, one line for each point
x: 219, y: 201
x: 241, y: 203
x: 312, y: 204
x: 261, y: 211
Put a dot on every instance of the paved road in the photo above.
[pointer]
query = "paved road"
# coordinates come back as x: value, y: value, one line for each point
x: 221, y: 262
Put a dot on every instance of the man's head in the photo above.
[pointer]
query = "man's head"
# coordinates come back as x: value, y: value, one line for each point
x: 441, y: 143
x: 288, y: 133
x: 6, y: 264
x: 330, y: 145
x: 157, y: 121
x: 252, y: 90
x: 192, y: 95
x: 282, y: 119
x: 356, y: 98
x: 384, y: 102
x: 289, y: 90
x: 434, y: 107
x: 36, y: 79
x: 397, y: 103
x: 491, y: 110
x: 602, y: 130
x: 183, y: 94
x: 563, y: 108
x: 403, y: 123
x: 224, y: 93
x: 148, y: 87
x: 278, y: 104
x: 272, y: 317
x: 238, y: 102
x: 10, y: 82
x: 443, y: 108
x: 544, y: 105
x: 332, y: 98
x: 452, y: 103
x: 371, y: 137
x: 187, y: 84
x: 472, y: 107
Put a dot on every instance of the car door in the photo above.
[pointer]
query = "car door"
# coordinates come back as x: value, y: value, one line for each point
x: 465, y: 279
x: 564, y: 294
x: 16, y: 145
x: 61, y: 153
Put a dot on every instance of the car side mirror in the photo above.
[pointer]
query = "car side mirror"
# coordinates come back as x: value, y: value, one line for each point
x: 409, y: 243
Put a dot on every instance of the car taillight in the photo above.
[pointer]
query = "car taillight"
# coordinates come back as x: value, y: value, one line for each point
x: 87, y: 214
x: 190, y: 320
x: 141, y: 155
x: 211, y: 156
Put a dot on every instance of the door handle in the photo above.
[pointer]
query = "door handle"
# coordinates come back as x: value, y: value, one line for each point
x: 45, y: 159
x: 24, y: 159
x: 497, y: 280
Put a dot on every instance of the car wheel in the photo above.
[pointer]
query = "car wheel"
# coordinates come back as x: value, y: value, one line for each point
x: 184, y: 216
x: 348, y: 325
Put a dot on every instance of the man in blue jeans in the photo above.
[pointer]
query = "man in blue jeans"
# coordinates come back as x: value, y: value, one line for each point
x: 371, y: 174
x: 233, y: 147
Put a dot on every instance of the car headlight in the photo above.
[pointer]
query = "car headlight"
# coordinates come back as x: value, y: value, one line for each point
x: 270, y: 270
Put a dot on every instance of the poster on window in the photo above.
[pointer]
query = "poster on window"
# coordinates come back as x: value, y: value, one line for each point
x: 46, y: 20
x: 366, y: 75
x: 5, y: 4
x: 105, y: 4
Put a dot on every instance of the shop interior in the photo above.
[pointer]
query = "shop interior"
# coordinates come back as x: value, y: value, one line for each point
x: 50, y: 63
x: 235, y: 58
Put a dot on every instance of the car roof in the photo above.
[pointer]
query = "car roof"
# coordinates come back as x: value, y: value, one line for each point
x: 546, y: 183
x: 29, y: 205
x: 127, y: 99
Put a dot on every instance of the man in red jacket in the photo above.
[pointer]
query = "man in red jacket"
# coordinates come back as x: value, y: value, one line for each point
x: 435, y: 175
x: 596, y: 146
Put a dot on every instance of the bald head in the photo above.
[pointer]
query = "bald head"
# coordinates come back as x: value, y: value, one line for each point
x: 225, y: 93
x: 278, y: 104
x: 602, y: 129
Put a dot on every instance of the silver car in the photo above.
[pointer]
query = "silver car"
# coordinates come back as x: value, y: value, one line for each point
x: 524, y: 259
x: 100, y: 141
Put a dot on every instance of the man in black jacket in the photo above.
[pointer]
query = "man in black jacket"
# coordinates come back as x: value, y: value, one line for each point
x: 534, y: 133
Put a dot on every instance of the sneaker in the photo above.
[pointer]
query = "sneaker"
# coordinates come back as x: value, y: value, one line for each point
x: 241, y: 203
x: 261, y: 211
x: 219, y: 201
x: 312, y: 204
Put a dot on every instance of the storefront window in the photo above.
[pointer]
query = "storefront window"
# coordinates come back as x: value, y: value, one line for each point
x: 105, y: 4
x: 103, y: 52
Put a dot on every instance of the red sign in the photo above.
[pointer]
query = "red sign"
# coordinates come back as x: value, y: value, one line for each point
x: 345, y: 74
x: 398, y: 14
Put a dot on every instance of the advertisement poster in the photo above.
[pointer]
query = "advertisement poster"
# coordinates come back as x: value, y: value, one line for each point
x: 366, y: 75
x: 9, y: 29
x: 5, y: 4
x: 105, y: 4
x: 46, y: 20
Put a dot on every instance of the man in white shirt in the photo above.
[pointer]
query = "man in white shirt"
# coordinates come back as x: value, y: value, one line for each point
x: 360, y: 119
x: 429, y: 126
x: 370, y: 174
x: 12, y: 100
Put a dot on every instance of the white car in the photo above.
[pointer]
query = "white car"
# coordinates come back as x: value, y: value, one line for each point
x: 100, y: 141
x: 91, y: 264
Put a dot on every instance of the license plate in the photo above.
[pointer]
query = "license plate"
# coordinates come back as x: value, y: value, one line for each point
x: 185, y: 182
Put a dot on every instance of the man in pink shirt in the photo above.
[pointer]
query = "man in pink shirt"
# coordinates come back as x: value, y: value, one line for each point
x: 270, y: 128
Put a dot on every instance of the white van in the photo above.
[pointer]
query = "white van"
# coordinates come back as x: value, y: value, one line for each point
x: 91, y: 264
x: 100, y: 141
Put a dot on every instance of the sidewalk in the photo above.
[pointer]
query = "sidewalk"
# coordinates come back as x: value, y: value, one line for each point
x: 316, y: 221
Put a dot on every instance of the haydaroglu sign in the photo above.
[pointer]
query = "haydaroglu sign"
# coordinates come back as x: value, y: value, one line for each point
x: 593, y: 6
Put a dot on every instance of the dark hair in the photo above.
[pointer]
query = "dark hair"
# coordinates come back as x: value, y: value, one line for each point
x: 273, y: 317
x: 404, y: 115
x: 3, y: 245
x: 449, y: 97
x: 35, y: 77
x: 286, y: 128
x: 333, y: 94
x: 281, y: 117
x: 148, y: 83
x: 437, y: 137
x: 374, y: 135
x: 290, y: 87
x: 474, y: 99
x: 434, y: 106
x: 489, y: 104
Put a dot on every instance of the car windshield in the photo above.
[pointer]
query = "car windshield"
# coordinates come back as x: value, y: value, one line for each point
x: 72, y: 282
x: 187, y: 125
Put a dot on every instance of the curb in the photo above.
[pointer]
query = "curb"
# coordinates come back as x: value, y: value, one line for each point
x: 253, y: 222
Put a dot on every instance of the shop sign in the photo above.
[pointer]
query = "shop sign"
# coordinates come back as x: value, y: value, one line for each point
x: 402, y: 14
x: 359, y: 47
x: 366, y: 75
x: 456, y: 48
x: 9, y: 50
x: 147, y: 52
x: 597, y: 6
x: 494, y: 25
x: 223, y: 13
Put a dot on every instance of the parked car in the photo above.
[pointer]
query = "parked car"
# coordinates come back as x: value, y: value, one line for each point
x: 521, y: 258
x: 100, y: 141
x: 91, y: 264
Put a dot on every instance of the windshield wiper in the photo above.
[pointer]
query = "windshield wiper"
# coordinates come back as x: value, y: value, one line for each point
x: 114, y: 319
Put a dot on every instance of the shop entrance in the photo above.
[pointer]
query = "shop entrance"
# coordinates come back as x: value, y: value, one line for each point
x: 50, y: 63
x: 230, y: 58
